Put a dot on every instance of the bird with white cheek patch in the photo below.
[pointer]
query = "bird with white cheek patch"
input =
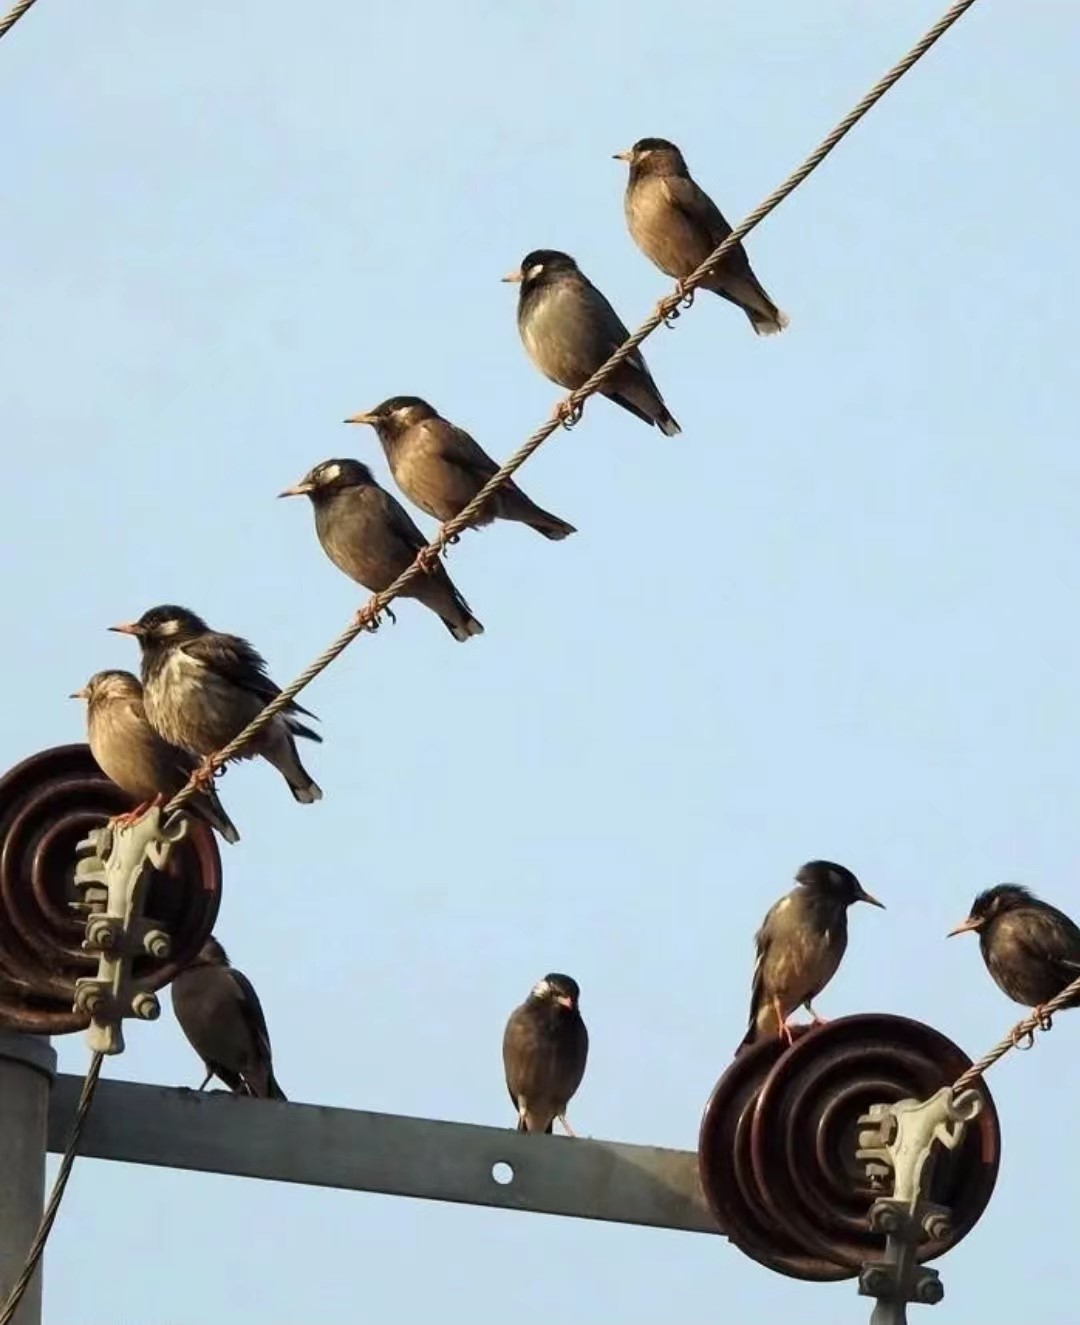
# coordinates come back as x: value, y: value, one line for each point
x: 545, y: 1046
x: 800, y: 945
x: 369, y: 535
x: 569, y: 330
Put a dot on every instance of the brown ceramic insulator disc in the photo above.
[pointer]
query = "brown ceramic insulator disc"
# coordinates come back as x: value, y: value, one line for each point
x: 48, y: 804
x: 779, y: 1137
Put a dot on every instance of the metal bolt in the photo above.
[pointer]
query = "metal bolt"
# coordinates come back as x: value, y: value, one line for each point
x: 146, y: 1006
x: 929, y: 1290
x: 937, y: 1227
x: 157, y: 943
x: 875, y: 1281
x: 101, y: 934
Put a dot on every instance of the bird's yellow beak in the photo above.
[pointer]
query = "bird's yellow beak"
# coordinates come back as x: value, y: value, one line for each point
x: 128, y: 628
x: 623, y: 156
x: 513, y: 277
x: 300, y: 489
x: 564, y: 1000
x: 864, y: 896
x: 363, y: 418
x: 971, y: 923
x: 84, y: 693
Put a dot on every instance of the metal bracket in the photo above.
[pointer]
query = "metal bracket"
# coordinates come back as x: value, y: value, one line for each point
x: 112, y: 878
x: 900, y: 1141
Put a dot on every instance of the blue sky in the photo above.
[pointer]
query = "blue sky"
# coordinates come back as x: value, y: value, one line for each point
x: 836, y: 617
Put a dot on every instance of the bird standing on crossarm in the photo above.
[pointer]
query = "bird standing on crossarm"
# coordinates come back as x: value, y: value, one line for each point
x: 202, y: 687
x: 369, y: 535
x: 441, y: 468
x: 569, y: 330
x: 677, y: 225
x: 800, y: 945
x: 545, y: 1046
x: 220, y: 1013
x: 1031, y: 949
x: 130, y: 753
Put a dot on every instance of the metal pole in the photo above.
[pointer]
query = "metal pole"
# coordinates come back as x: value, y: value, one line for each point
x: 27, y: 1068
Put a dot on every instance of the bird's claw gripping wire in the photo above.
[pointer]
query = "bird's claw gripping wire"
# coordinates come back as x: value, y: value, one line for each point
x: 667, y: 311
x: 568, y: 414
x: 428, y: 560
x: 366, y: 619
x: 204, y: 775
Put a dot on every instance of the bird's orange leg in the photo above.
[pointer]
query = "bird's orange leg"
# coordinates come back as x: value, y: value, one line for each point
x: 566, y: 1126
x: 785, y: 1030
x: 204, y: 774
x: 818, y: 1021
x: 129, y: 816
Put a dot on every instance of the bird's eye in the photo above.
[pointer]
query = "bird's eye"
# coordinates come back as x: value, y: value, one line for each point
x: 534, y: 271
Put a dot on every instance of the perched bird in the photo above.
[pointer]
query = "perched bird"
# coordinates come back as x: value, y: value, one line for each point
x: 569, y: 329
x: 131, y: 753
x: 800, y: 945
x: 220, y: 1013
x: 545, y: 1046
x: 202, y: 687
x: 677, y: 225
x: 1031, y: 949
x: 440, y: 468
x: 369, y: 535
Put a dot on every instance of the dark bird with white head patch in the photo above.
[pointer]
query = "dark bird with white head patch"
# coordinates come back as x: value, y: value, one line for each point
x: 440, y: 468
x: 220, y: 1013
x: 202, y: 687
x: 369, y: 535
x: 1031, y: 949
x: 677, y: 225
x: 800, y: 945
x: 569, y: 329
x: 545, y: 1046
x: 130, y: 752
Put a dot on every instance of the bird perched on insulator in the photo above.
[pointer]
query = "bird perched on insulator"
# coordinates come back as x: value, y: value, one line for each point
x: 130, y: 752
x: 369, y: 535
x: 545, y: 1046
x: 202, y: 687
x: 220, y: 1013
x: 677, y: 225
x: 569, y: 330
x: 1031, y: 949
x: 440, y: 468
x: 800, y: 945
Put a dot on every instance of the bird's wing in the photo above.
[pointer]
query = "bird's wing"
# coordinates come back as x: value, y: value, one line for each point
x: 400, y: 523
x: 698, y: 208
x: 1050, y: 935
x: 239, y: 663
x: 458, y: 448
x: 757, y: 983
x: 251, y: 1010
x: 611, y: 331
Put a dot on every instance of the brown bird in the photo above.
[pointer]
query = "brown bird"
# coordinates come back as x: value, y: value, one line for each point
x: 220, y: 1013
x: 1031, y: 949
x: 131, y: 753
x: 441, y: 468
x: 677, y: 225
x: 800, y: 945
x: 368, y: 534
x: 545, y: 1046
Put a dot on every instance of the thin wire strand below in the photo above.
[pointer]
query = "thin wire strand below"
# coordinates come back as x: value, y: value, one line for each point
x: 48, y: 1218
x: 368, y: 616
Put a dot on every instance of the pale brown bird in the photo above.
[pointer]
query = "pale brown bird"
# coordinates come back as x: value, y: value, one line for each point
x: 131, y: 753
x: 441, y: 468
x: 677, y: 225
x: 800, y: 945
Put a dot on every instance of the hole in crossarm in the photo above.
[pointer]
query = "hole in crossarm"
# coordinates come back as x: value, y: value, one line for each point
x: 502, y: 1173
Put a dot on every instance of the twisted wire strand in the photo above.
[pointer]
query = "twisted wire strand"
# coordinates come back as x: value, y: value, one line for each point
x: 37, y: 1247
x: 368, y: 616
x: 6, y: 24
x: 1039, y: 1020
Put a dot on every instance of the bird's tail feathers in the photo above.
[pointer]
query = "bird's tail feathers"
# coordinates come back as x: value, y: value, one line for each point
x: 298, y: 729
x: 462, y: 627
x: 549, y: 525
x: 666, y: 423
x: 766, y: 324
x: 273, y: 1090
